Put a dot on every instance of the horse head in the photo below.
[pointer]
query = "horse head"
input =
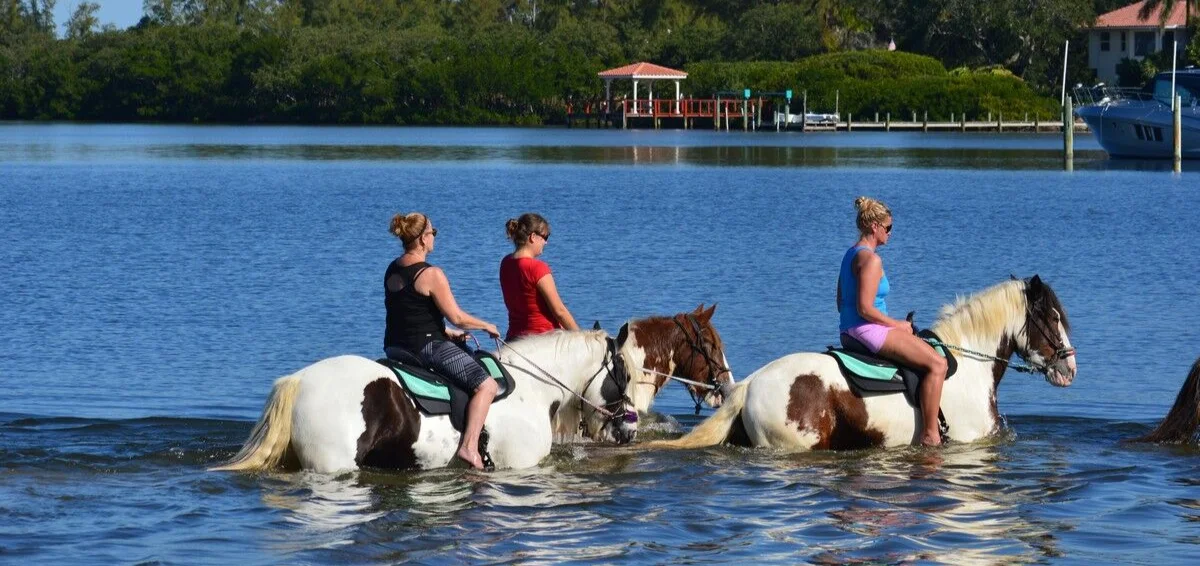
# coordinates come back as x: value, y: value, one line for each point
x: 1046, y: 342
x: 685, y: 347
x: 616, y: 419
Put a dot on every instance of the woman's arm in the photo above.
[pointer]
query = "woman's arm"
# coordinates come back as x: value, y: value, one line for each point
x: 549, y: 292
x: 869, y: 270
x: 439, y: 288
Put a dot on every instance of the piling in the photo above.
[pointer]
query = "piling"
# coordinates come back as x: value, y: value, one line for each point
x: 1000, y: 123
x: 1178, y: 142
x: 849, y: 121
x: 888, y: 126
x: 925, y: 122
x: 1068, y: 135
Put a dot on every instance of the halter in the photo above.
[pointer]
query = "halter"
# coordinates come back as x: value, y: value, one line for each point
x: 698, y: 345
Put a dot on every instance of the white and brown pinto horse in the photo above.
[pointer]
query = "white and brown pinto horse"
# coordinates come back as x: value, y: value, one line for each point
x: 348, y: 412
x: 686, y: 348
x: 802, y: 401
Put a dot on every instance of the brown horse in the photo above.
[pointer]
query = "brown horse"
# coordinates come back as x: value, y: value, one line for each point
x: 1181, y: 422
x: 803, y: 402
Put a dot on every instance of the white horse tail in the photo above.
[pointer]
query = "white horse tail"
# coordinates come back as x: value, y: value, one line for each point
x: 715, y: 429
x: 270, y: 441
x: 1181, y: 422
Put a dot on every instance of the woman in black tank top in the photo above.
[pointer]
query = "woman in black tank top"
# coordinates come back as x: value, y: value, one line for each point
x: 419, y: 301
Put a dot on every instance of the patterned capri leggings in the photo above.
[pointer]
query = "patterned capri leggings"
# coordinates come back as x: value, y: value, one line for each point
x: 451, y: 360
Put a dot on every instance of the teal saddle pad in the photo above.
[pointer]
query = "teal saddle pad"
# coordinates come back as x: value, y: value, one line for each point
x: 434, y: 395
x: 869, y: 374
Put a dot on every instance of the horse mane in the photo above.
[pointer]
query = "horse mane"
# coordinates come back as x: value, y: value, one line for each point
x: 565, y: 421
x: 989, y: 312
x: 1180, y: 424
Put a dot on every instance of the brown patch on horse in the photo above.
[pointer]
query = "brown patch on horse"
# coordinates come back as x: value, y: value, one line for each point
x: 656, y: 337
x: 393, y: 426
x: 1004, y: 351
x: 838, y: 417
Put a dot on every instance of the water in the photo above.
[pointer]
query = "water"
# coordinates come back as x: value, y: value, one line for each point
x: 158, y: 278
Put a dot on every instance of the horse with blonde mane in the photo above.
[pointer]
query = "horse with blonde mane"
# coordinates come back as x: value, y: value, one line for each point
x: 803, y: 402
x: 349, y: 412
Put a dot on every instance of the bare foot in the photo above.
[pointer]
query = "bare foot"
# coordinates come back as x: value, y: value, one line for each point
x: 471, y: 458
x: 934, y: 439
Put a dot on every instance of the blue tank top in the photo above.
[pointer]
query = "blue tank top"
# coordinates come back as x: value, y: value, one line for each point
x: 849, y: 288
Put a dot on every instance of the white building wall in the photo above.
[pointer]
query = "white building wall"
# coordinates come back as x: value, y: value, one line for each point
x: 1105, y: 62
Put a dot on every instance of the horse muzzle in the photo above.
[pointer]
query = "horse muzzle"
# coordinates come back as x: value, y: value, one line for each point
x: 1062, y: 372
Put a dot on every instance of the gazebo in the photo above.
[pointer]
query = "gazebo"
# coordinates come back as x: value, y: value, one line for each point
x: 641, y: 71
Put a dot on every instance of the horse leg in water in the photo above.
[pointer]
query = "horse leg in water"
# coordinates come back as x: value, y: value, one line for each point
x: 903, y: 346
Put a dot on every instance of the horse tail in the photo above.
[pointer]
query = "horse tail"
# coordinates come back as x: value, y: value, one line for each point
x: 270, y: 441
x: 715, y: 429
x: 1184, y: 417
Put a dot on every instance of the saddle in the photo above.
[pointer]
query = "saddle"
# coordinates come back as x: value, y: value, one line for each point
x: 434, y: 395
x: 869, y: 374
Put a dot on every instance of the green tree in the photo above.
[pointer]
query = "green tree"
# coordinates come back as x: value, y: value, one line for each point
x: 83, y: 21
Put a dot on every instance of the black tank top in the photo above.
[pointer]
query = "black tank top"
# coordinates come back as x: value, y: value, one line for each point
x: 413, y: 320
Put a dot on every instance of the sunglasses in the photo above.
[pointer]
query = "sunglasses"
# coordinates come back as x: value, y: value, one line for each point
x: 888, y: 228
x: 432, y: 232
x: 545, y: 236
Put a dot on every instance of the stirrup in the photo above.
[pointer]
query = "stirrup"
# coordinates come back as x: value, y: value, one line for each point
x: 488, y: 464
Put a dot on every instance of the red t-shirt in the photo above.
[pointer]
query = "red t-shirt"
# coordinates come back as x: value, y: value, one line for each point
x: 528, y: 312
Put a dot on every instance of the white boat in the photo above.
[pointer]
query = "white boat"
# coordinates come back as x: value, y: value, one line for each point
x: 1139, y: 123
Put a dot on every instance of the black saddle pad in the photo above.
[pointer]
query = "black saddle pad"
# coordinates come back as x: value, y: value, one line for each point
x: 435, y: 395
x: 869, y: 374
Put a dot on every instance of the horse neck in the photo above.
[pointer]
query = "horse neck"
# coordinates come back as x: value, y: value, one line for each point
x: 572, y: 358
x: 651, y: 345
x: 989, y: 323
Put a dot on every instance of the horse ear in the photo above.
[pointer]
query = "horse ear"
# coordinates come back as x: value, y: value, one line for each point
x: 596, y: 325
x: 623, y: 335
x: 698, y: 310
x: 707, y: 315
x: 1035, y: 282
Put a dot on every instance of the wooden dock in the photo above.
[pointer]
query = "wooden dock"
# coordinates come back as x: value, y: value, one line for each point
x: 758, y: 114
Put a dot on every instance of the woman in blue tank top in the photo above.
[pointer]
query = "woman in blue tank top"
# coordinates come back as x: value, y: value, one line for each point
x: 861, y: 298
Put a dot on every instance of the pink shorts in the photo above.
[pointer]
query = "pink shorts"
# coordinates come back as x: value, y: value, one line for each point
x: 870, y: 334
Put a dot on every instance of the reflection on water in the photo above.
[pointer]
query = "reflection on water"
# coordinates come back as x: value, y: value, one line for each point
x: 758, y: 156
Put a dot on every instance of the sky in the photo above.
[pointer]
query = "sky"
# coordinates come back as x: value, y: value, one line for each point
x: 123, y: 13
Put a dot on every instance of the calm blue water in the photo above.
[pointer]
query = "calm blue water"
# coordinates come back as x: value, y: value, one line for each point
x: 158, y: 278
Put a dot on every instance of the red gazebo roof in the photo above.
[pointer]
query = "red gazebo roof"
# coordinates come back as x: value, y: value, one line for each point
x: 642, y: 70
x: 1127, y: 17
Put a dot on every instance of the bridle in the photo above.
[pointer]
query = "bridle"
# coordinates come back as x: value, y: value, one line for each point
x: 615, y: 381
x: 699, y: 346
x: 1061, y: 352
x: 612, y: 390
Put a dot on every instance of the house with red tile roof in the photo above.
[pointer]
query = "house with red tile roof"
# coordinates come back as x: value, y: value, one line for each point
x: 1122, y: 34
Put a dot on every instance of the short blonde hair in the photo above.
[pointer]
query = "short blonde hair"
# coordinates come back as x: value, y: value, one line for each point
x: 870, y: 211
x: 409, y: 227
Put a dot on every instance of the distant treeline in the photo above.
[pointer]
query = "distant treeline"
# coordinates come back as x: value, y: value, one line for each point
x: 521, y: 61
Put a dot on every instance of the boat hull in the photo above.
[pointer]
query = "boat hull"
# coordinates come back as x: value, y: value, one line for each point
x: 1142, y: 131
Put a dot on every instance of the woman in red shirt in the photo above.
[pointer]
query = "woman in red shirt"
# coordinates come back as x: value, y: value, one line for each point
x: 534, y: 306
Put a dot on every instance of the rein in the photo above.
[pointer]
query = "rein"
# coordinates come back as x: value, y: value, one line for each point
x: 1060, y: 352
x: 609, y: 415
